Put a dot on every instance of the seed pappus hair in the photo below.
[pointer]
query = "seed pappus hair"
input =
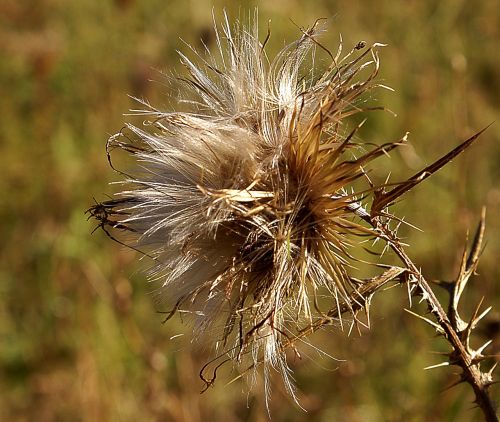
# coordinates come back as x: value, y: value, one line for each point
x: 249, y: 206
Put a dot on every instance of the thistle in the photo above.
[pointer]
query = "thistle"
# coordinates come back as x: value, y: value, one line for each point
x: 252, y: 206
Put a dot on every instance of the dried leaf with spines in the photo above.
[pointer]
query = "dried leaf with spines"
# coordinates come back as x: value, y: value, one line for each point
x: 383, y: 200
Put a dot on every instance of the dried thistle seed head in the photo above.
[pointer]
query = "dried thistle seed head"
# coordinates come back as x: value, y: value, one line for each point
x: 247, y: 205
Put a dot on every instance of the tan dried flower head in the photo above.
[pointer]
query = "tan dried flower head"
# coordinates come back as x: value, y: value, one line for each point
x: 248, y: 205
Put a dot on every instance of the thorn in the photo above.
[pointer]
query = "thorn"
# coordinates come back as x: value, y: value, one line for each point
x: 410, y: 294
x: 480, y: 317
x: 437, y: 327
x: 437, y: 366
x: 471, y: 325
x: 484, y: 346
x: 367, y: 313
x: 490, y: 372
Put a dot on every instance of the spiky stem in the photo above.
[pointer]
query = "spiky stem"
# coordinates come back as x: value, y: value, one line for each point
x: 461, y: 356
x: 453, y: 332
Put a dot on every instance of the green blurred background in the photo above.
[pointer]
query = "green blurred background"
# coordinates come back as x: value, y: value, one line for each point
x: 80, y: 338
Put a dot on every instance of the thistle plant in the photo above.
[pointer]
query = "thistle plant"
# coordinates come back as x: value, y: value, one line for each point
x: 251, y: 207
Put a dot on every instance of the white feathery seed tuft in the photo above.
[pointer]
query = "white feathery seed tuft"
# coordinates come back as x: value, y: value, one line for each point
x: 249, y: 205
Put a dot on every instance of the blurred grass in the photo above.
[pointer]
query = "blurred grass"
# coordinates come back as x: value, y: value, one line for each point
x: 80, y: 337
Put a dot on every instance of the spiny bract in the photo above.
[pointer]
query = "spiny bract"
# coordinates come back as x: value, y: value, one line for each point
x: 246, y: 205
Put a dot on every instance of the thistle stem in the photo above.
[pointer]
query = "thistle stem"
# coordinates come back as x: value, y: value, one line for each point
x: 461, y: 356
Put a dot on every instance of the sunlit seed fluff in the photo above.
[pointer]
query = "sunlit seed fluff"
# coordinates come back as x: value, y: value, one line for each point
x: 247, y: 205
